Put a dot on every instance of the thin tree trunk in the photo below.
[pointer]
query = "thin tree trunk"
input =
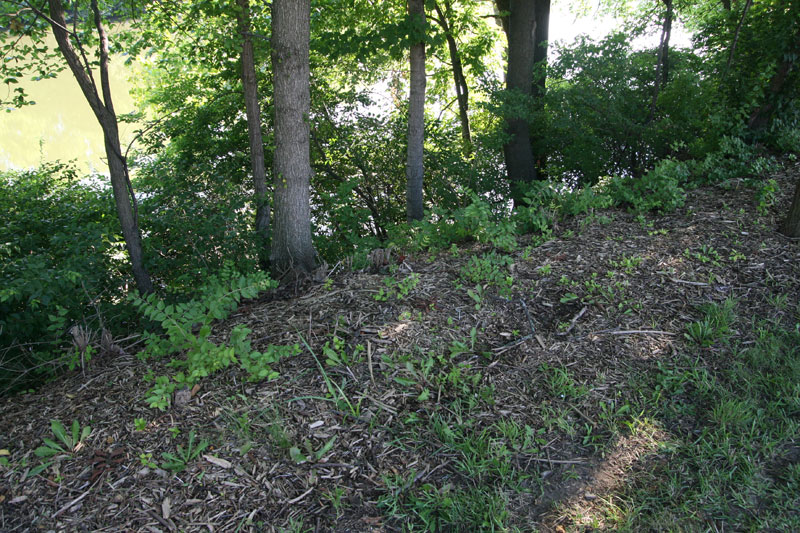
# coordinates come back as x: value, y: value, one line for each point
x: 662, y: 62
x: 520, y: 164
x: 416, y: 119
x: 791, y: 226
x: 292, y: 253
x: 250, y: 85
x: 460, y: 82
x: 103, y: 109
x: 541, y: 38
x: 738, y: 30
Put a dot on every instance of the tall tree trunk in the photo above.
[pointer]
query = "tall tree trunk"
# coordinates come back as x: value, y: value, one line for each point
x: 520, y: 164
x: 503, y: 8
x: 292, y: 253
x: 791, y: 226
x: 541, y: 38
x: 460, y: 82
x: 662, y: 61
x: 416, y: 118
x: 103, y: 109
x: 250, y: 85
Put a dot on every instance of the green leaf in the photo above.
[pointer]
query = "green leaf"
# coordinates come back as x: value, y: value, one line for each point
x: 325, y: 449
x: 35, y: 471
x: 45, y: 451
x: 60, y: 432
x: 296, y: 455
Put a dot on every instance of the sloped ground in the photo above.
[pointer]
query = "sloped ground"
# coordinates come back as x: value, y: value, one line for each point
x: 569, y: 406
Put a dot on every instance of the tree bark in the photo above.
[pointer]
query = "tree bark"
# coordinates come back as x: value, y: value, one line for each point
x: 503, y: 9
x: 460, y: 82
x: 416, y: 118
x: 662, y: 61
x: 520, y: 163
x: 292, y: 254
x: 250, y: 85
x: 541, y: 38
x: 791, y: 226
x: 103, y: 109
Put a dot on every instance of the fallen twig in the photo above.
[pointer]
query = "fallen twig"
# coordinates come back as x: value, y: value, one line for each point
x: 632, y: 332
x: 76, y: 500
x: 573, y: 321
x: 695, y: 283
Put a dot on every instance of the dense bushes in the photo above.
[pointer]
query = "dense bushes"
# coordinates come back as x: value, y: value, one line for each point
x: 61, y: 262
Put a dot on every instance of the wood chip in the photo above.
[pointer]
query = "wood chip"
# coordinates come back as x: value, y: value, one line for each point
x: 222, y: 463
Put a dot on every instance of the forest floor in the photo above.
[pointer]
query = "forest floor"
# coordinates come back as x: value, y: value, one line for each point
x: 633, y: 373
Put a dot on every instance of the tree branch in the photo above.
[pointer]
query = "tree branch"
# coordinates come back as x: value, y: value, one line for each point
x: 736, y: 34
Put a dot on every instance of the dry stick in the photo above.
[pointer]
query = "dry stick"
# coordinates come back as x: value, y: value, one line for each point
x: 634, y: 332
x: 295, y: 500
x: 574, y: 320
x: 557, y: 461
x: 528, y: 316
x: 369, y: 360
x: 592, y: 422
x: 76, y: 500
x: 695, y: 283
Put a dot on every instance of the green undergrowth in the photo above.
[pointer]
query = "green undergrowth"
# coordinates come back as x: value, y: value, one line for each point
x: 730, y: 409
x: 186, y: 329
x: 718, y: 422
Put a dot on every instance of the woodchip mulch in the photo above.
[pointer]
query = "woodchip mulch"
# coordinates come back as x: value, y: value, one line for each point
x: 246, y: 480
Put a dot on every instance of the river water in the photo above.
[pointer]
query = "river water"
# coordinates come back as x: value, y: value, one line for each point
x: 61, y: 126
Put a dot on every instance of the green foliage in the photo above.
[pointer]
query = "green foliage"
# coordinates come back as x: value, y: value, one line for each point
x: 71, y: 441
x: 177, y: 462
x: 582, y: 201
x: 734, y: 158
x: 715, y: 324
x: 258, y: 364
x: 430, y: 508
x: 335, y: 392
x: 336, y: 354
x: 476, y: 221
x: 399, y: 289
x: 311, y: 454
x: 598, y: 119
x: 658, y: 190
x: 785, y: 134
x: 67, y: 443
x: 187, y: 328
x: 489, y: 269
x: 197, y: 224
x: 61, y: 262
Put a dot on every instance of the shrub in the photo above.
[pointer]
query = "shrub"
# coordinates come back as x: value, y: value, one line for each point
x: 658, y: 190
x: 61, y: 262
